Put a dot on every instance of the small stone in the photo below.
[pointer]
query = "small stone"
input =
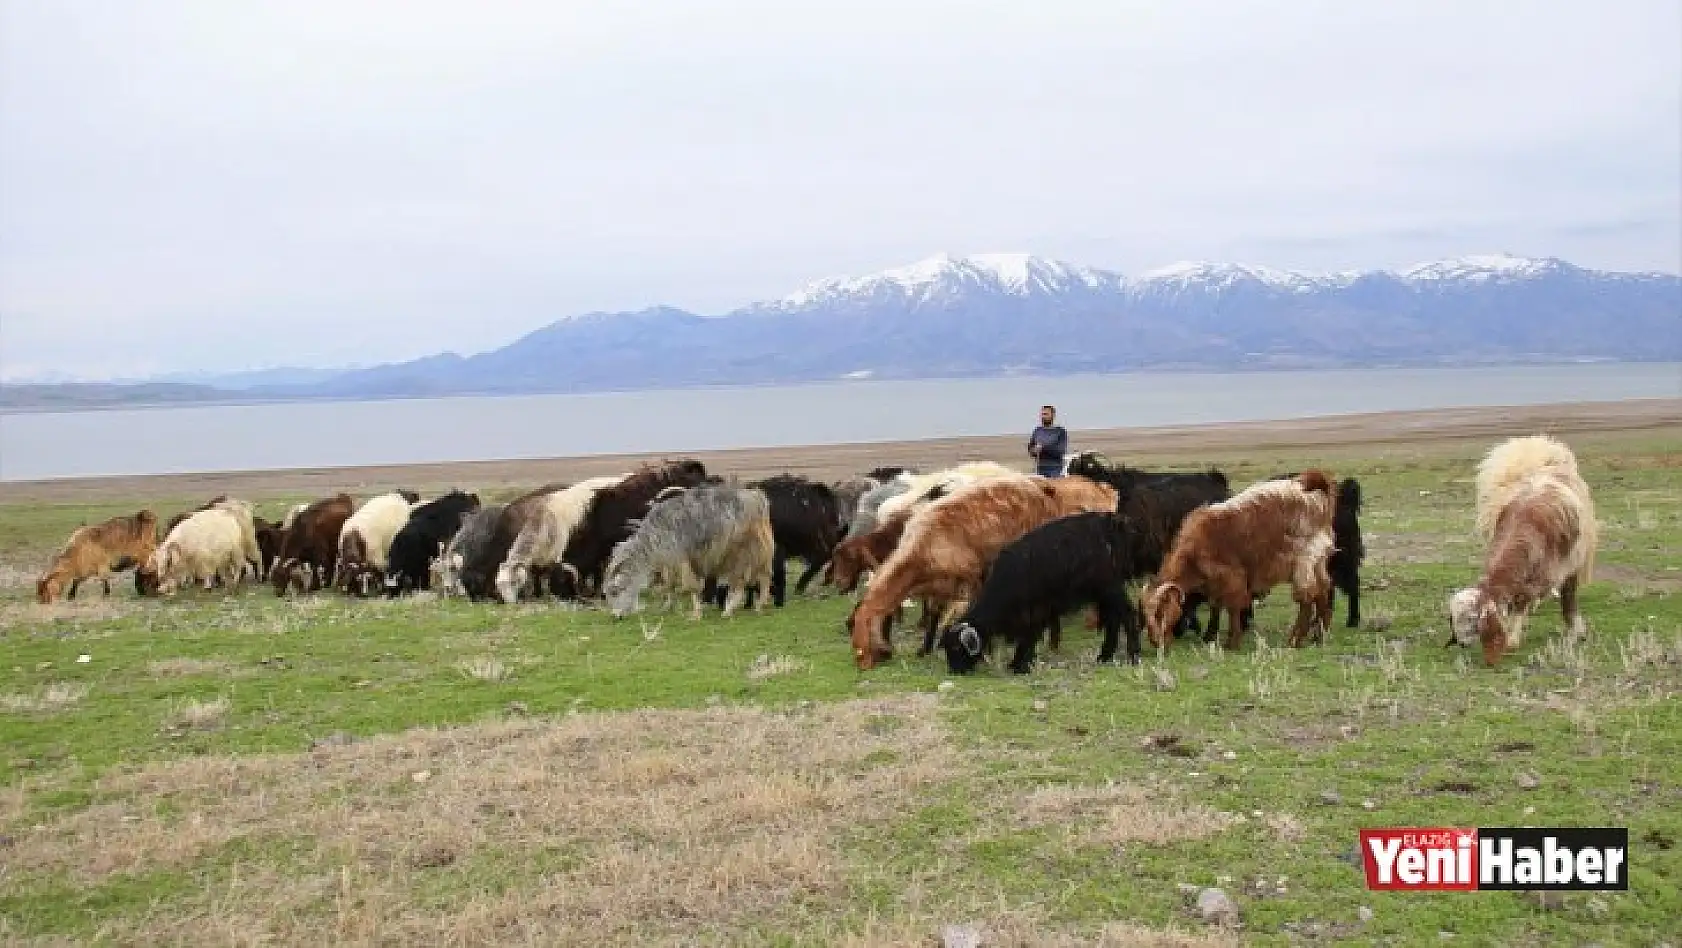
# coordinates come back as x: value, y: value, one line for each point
x: 1348, y: 731
x: 1331, y: 798
x: 1199, y: 672
x: 1215, y: 908
x: 1364, y: 914
x: 1547, y: 901
x: 1529, y: 811
x: 1229, y: 755
x: 1164, y: 679
x: 24, y: 763
x: 1040, y: 704
x: 83, y: 659
x: 1599, y: 907
x: 1380, y: 623
x: 714, y: 701
x: 1369, y: 804
x: 421, y: 776
x: 1187, y: 888
x: 516, y: 707
x: 1527, y: 780
x: 1444, y: 936
x: 946, y: 686
x: 960, y: 936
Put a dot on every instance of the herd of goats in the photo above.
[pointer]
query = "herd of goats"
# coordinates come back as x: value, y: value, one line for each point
x: 990, y: 554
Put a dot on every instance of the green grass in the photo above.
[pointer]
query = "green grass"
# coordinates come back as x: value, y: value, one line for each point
x: 1299, y: 749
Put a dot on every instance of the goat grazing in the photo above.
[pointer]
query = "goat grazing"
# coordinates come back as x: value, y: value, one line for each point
x: 607, y: 522
x: 1267, y: 534
x: 1053, y: 569
x: 1536, y: 514
x: 214, y: 544
x: 477, y: 531
x: 421, y: 540
x: 366, y: 539
x: 309, y: 553
x: 720, y: 531
x: 543, y: 538
x: 95, y: 551
x: 948, y: 545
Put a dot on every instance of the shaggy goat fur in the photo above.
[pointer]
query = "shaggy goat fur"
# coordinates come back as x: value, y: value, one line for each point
x: 866, y: 517
x: 543, y: 538
x: 478, y: 569
x: 720, y: 531
x: 855, y: 557
x: 948, y: 545
x: 608, y: 521
x: 1349, y: 550
x: 806, y: 521
x: 1053, y: 569
x: 366, y: 539
x: 848, y: 493
x: 1536, y: 513
x: 1270, y: 533
x: 422, y: 539
x: 211, y: 544
x: 921, y: 489
x: 309, y: 553
x: 477, y: 530
x: 95, y: 551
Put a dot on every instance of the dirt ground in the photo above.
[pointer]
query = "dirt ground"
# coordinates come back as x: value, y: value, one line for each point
x: 1426, y: 430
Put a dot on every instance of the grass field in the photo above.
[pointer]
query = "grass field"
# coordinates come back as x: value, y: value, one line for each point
x: 241, y: 769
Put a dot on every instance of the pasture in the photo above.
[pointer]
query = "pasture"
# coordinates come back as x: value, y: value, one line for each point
x: 236, y: 769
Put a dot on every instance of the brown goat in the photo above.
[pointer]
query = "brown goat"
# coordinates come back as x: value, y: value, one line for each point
x: 1537, y: 514
x: 95, y: 551
x: 1273, y: 532
x: 310, y: 550
x: 855, y: 556
x: 948, y: 545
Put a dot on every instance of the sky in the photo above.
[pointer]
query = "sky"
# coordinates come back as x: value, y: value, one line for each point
x: 209, y: 186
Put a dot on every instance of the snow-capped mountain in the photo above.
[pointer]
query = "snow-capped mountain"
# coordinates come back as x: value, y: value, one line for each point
x: 993, y: 314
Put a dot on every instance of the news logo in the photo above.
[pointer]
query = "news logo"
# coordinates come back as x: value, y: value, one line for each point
x: 1447, y: 859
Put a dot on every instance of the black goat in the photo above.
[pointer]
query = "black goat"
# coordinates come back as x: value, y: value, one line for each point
x: 1056, y: 568
x: 611, y: 519
x: 422, y: 539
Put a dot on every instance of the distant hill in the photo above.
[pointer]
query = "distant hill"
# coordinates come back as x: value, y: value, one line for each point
x: 79, y: 396
x: 996, y: 314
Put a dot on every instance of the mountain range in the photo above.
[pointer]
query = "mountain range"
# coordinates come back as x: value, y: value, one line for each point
x: 997, y: 314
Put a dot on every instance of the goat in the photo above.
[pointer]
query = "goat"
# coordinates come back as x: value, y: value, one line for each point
x: 543, y: 538
x: 720, y: 531
x: 1053, y: 569
x: 1535, y: 513
x: 366, y: 539
x: 309, y: 553
x: 210, y: 544
x: 948, y: 545
x: 477, y: 530
x: 607, y: 521
x: 1269, y: 533
x: 422, y: 538
x: 94, y: 552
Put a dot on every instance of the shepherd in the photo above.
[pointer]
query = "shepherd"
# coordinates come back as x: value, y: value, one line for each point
x: 1048, y: 443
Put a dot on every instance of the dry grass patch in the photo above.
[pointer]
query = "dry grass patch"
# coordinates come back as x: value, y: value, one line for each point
x: 85, y: 608
x: 187, y: 667
x: 196, y: 715
x: 766, y: 666
x: 1119, y: 813
x: 54, y: 697
x: 684, y: 825
x: 484, y: 668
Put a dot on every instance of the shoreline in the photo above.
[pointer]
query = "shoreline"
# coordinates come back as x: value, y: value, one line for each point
x: 1184, y: 444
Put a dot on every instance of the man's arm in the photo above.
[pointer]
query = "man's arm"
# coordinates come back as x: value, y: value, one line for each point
x: 1062, y: 442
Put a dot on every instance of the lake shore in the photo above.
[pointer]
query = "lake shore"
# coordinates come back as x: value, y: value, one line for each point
x: 1320, y: 440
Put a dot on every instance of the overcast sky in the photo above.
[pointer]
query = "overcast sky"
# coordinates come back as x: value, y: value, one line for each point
x: 229, y: 184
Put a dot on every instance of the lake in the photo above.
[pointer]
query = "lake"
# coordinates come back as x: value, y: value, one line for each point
x: 334, y: 434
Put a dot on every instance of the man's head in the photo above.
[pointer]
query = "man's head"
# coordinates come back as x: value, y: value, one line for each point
x: 1048, y: 414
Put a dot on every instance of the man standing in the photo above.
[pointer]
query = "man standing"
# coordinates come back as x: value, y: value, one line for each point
x: 1048, y: 444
